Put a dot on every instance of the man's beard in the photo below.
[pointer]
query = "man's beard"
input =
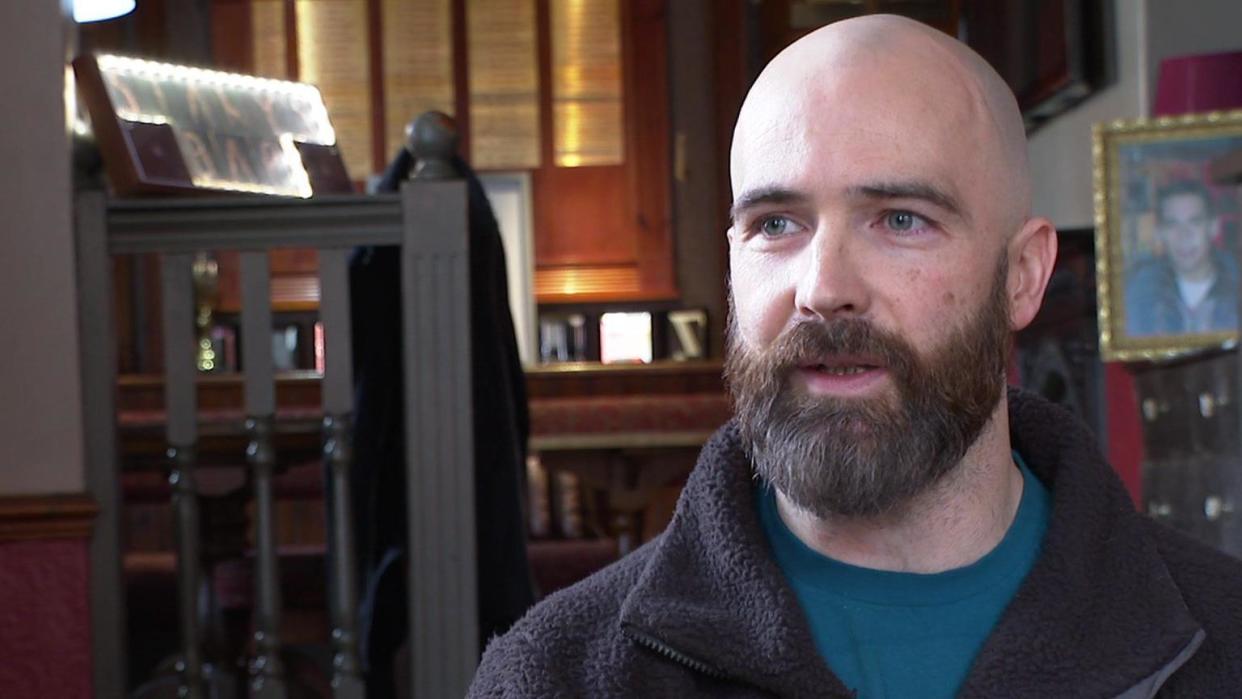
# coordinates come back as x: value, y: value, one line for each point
x: 866, y: 457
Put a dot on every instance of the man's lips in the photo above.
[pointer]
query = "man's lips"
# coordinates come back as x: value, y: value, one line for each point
x: 841, y: 366
x: 841, y: 376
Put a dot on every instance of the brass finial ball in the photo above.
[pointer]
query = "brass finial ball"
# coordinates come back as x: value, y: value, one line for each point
x: 432, y: 140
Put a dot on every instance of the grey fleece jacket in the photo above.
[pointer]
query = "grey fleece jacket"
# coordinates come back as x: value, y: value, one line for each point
x: 1116, y: 605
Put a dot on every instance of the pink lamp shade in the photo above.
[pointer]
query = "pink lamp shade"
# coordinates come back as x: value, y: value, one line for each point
x: 1201, y: 83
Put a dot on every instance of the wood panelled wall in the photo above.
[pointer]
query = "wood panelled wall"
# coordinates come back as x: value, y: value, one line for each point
x: 602, y: 228
x: 602, y: 232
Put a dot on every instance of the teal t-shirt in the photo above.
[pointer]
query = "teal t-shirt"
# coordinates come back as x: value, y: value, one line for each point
x: 889, y: 634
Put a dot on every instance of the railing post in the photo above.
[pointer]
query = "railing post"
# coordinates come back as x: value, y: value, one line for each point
x: 267, y: 675
x: 182, y: 430
x: 99, y: 419
x: 189, y: 575
x: 176, y: 230
x: 338, y: 458
x: 439, y: 439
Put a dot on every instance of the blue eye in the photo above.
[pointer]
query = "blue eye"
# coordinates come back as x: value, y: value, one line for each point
x: 904, y: 221
x: 774, y: 226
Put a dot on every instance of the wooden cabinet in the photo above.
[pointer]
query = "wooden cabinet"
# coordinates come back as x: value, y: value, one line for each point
x: 603, y: 233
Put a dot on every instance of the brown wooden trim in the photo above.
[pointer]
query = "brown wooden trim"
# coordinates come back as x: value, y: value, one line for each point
x: 232, y: 36
x: 639, y: 296
x: 141, y: 397
x: 647, y: 101
x: 595, y: 380
x: 620, y: 440
x: 730, y: 85
x: 143, y: 393
x: 693, y: 366
x: 379, y: 118
x: 117, y: 159
x: 461, y: 79
x: 26, y: 517
x: 547, y: 118
x: 292, y: 64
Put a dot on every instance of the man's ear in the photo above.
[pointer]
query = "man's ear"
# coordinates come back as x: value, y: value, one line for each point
x: 1032, y: 254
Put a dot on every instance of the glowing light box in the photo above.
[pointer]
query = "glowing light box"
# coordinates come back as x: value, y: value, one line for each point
x: 625, y: 337
x: 171, y: 128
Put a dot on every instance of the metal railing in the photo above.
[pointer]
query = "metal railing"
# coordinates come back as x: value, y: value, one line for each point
x: 428, y: 220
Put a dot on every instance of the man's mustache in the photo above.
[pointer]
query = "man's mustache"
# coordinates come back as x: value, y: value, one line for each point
x: 809, y: 343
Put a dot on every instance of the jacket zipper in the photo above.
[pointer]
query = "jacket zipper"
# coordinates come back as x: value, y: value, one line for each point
x: 673, y: 654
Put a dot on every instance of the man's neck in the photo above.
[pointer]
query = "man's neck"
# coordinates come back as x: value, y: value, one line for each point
x: 1201, y: 273
x: 952, y: 525
x: 1194, y: 289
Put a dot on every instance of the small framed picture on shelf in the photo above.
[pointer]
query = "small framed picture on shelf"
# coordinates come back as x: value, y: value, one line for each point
x: 687, y: 337
x: 562, y: 338
x: 1166, y: 236
x: 287, y: 347
x: 224, y: 347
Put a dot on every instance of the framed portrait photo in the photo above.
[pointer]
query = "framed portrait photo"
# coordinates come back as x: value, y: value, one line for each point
x: 1166, y: 237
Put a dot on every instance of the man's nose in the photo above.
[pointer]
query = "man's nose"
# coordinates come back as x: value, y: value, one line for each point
x: 832, y: 284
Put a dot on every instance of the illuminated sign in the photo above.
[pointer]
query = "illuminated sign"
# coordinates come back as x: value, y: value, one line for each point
x: 625, y: 337
x: 164, y: 127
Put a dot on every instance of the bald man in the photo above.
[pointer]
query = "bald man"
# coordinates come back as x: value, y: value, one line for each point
x: 881, y: 518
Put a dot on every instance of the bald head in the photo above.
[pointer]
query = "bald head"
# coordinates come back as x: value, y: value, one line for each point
x: 880, y: 201
x: 902, y: 99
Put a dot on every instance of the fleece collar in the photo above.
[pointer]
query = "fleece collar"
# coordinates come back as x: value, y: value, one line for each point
x: 1098, y: 614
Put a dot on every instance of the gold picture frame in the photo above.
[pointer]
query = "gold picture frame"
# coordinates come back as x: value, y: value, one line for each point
x: 1165, y: 233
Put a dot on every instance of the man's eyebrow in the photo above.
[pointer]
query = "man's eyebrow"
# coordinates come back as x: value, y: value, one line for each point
x: 911, y: 190
x: 765, y: 195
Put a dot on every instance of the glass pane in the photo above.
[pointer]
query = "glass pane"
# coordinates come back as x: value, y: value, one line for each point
x: 268, y: 41
x: 504, y: 83
x: 333, y: 54
x: 586, y: 82
x: 418, y: 63
x: 234, y: 132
